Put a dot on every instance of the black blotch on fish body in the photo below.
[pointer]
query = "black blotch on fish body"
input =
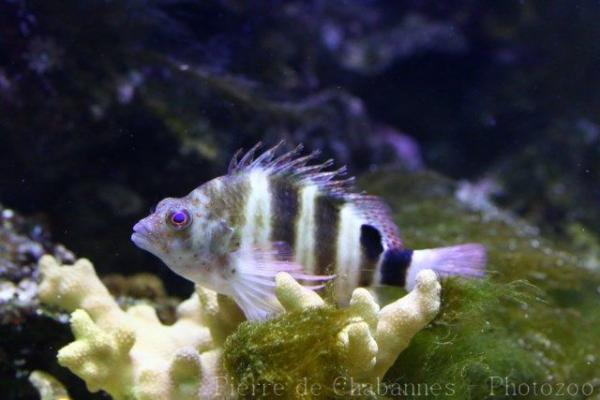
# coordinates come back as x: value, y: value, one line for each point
x: 394, y: 266
x: 371, y: 243
x: 370, y: 240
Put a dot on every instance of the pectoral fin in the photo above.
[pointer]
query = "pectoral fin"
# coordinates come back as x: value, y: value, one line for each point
x: 254, y: 281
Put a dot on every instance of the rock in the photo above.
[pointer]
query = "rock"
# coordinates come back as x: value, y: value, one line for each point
x: 29, y: 333
x: 553, y: 181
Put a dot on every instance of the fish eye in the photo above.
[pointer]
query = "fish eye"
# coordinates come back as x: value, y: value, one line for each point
x: 179, y: 219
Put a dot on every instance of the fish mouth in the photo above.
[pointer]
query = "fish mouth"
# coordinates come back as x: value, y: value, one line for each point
x: 140, y: 240
x: 141, y: 236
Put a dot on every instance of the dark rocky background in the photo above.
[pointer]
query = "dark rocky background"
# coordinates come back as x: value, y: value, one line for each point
x: 107, y: 107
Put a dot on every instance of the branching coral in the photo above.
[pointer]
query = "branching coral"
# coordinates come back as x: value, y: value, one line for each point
x: 132, y: 355
x: 129, y: 354
x: 372, y: 338
x: 48, y: 387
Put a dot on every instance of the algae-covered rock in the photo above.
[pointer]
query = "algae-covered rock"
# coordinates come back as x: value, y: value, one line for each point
x: 535, y: 320
x: 334, y: 351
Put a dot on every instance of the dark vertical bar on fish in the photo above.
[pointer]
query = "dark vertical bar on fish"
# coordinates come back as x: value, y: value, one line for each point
x: 327, y: 216
x: 285, y: 204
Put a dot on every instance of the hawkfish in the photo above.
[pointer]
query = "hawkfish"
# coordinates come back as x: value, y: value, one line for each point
x: 282, y: 213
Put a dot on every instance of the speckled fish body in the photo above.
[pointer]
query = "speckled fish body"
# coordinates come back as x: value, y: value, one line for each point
x: 322, y: 230
x: 278, y: 213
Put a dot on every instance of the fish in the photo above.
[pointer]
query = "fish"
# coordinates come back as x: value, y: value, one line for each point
x: 282, y: 212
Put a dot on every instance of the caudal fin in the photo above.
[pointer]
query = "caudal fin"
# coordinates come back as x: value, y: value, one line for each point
x: 466, y: 260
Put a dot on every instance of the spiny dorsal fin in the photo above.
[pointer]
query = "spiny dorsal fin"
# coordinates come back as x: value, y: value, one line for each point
x: 294, y: 164
x: 371, y: 208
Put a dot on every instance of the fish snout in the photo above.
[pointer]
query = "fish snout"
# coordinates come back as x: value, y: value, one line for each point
x: 142, y: 234
x: 141, y: 227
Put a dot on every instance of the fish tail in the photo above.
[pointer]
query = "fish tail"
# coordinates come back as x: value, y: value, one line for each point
x: 400, y: 267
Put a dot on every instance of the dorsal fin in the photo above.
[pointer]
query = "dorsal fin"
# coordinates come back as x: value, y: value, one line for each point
x: 378, y: 215
x: 294, y: 164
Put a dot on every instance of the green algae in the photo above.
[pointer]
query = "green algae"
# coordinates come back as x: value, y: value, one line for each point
x: 532, y: 325
x: 293, y: 356
x: 535, y: 320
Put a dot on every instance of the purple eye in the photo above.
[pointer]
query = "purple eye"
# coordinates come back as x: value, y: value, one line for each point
x: 179, y: 219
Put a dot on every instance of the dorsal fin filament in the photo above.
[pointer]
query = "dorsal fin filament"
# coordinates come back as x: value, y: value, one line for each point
x: 295, y: 165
